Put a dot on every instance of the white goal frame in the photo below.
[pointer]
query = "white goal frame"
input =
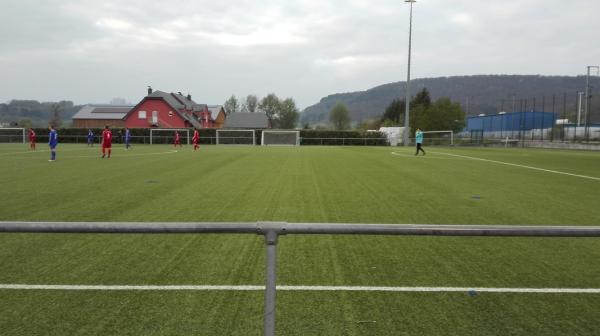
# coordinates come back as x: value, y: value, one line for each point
x: 235, y: 130
x: 16, y: 129
x: 451, y: 135
x: 262, y: 137
x: 186, y: 130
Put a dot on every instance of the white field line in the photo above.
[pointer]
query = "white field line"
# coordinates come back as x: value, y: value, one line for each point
x: 426, y: 157
x: 521, y: 166
x: 68, y: 156
x: 299, y: 288
x: 123, y: 156
x: 45, y: 151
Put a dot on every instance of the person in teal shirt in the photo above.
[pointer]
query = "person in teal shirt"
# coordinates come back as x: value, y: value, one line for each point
x: 419, y: 141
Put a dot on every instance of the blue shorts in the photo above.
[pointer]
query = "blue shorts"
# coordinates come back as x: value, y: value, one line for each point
x: 53, y: 146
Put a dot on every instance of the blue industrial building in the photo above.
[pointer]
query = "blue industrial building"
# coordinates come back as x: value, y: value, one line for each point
x: 511, y: 122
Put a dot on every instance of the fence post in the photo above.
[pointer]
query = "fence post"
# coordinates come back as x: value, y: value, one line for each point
x: 271, y: 231
x: 271, y: 277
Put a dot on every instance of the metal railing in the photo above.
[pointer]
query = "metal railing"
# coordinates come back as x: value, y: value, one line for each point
x: 272, y: 230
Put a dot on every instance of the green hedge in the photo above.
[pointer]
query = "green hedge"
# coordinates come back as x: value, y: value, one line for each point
x: 342, y: 138
x: 138, y: 135
x: 207, y: 136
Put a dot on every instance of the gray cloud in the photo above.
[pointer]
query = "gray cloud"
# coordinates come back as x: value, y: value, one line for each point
x: 92, y: 51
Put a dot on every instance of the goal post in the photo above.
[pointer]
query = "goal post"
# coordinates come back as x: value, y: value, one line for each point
x: 440, y: 136
x: 280, y: 138
x: 236, y: 137
x: 167, y: 139
x: 13, y: 134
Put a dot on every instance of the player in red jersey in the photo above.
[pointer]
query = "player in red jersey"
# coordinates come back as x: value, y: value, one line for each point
x: 31, y: 139
x: 106, y: 141
x: 196, y: 139
x: 177, y: 140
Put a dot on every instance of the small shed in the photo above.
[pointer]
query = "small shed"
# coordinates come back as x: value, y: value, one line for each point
x: 247, y: 120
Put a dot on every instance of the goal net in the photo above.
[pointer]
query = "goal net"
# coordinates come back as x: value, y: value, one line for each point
x: 289, y: 138
x: 235, y: 137
x: 441, y: 138
x: 13, y: 135
x: 167, y: 135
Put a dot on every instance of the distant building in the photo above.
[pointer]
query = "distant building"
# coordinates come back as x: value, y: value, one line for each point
x: 158, y: 109
x: 247, y: 120
x: 165, y: 110
x: 510, y: 124
x: 215, y: 118
x: 97, y: 116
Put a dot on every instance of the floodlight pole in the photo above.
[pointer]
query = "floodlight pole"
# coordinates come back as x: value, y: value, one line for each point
x: 579, y: 104
x: 407, y: 102
x: 587, y: 96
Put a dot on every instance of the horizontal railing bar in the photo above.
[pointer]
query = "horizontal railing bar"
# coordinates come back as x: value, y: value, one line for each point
x: 302, y: 228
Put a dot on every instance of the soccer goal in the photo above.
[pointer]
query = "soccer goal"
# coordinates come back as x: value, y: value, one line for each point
x: 281, y: 138
x: 439, y: 137
x: 235, y: 137
x: 166, y: 135
x: 13, y: 135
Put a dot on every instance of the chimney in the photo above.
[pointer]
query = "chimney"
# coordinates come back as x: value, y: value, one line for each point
x: 149, y: 90
x: 189, y: 97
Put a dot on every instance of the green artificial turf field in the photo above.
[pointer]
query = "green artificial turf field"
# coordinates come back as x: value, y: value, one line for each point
x: 299, y: 184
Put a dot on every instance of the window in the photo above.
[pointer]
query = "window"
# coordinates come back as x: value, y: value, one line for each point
x: 141, y: 114
x: 170, y: 113
x: 155, y: 117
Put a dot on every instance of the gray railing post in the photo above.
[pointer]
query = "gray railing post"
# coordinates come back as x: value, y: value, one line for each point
x: 271, y: 282
x: 271, y: 231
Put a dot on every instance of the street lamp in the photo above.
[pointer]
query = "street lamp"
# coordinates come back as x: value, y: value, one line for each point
x: 407, y: 109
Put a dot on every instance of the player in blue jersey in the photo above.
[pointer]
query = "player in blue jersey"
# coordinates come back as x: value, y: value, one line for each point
x: 127, y: 138
x: 52, y: 142
x: 419, y: 141
x: 90, y: 138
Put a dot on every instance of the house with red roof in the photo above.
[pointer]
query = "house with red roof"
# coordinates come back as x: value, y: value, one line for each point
x: 169, y: 110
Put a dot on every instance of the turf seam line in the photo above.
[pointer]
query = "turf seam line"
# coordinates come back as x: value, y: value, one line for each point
x: 297, y: 288
x: 521, y: 166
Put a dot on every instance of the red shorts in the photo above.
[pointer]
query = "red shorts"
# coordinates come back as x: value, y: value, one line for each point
x: 107, y: 145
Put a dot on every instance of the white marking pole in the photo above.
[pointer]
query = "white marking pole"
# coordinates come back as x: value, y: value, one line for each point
x: 521, y: 166
x: 298, y: 288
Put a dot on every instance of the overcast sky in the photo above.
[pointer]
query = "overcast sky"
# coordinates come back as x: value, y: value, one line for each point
x: 91, y: 51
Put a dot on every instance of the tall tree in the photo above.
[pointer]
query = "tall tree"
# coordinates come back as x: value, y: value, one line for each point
x: 270, y: 105
x: 419, y: 108
x: 394, y: 113
x: 231, y: 105
x: 288, y: 114
x: 446, y: 115
x: 55, y: 112
x: 422, y: 98
x: 339, y: 117
x: 251, y: 104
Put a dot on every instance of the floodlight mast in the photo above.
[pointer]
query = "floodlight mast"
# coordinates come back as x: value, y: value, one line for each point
x: 407, y: 102
x: 587, y: 96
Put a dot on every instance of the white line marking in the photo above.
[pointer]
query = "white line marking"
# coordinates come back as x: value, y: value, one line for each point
x: 298, y: 288
x: 521, y: 166
x: 428, y: 157
x: 121, y: 156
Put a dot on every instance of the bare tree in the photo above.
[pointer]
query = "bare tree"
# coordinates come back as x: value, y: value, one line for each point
x: 55, y: 111
x: 251, y: 104
x: 231, y: 105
